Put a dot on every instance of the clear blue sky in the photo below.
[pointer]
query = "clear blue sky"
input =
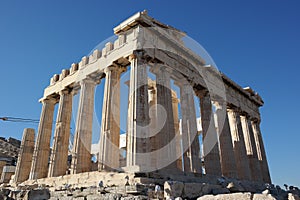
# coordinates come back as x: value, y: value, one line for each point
x: 255, y: 43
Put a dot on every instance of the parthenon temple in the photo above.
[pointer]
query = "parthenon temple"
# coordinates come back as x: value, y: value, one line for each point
x: 182, y: 116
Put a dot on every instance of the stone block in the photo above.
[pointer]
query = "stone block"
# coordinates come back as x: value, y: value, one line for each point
x: 208, y: 188
x: 234, y: 196
x: 74, y: 68
x: 64, y: 73
x: 84, y: 61
x: 55, y: 78
x: 216, y: 191
x: 263, y: 197
x: 37, y: 194
x: 173, y: 189
x: 192, y: 190
x: 122, y: 39
x: 93, y: 197
x: 235, y: 187
x: 293, y: 197
x: 248, y: 187
x: 109, y: 47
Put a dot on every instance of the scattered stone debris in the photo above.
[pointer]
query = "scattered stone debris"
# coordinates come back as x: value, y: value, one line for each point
x: 171, y: 190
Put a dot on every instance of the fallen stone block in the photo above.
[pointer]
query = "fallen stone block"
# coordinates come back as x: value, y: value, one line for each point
x: 234, y: 196
x: 37, y: 194
x: 216, y: 191
x: 263, y: 197
x: 173, y: 189
x: 292, y: 196
x: 208, y: 188
x: 192, y: 190
x: 235, y: 187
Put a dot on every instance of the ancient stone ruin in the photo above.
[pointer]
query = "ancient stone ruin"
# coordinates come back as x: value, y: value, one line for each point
x: 188, y: 128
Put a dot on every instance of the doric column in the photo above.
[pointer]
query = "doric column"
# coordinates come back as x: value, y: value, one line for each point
x: 167, y: 133
x: 251, y: 149
x: 81, y: 153
x: 110, y: 126
x: 190, y: 140
x: 239, y: 147
x: 138, y: 115
x: 153, y: 117
x: 59, y: 156
x: 210, y: 138
x: 175, y: 102
x: 228, y: 163
x: 39, y: 167
x: 261, y: 152
x: 25, y: 156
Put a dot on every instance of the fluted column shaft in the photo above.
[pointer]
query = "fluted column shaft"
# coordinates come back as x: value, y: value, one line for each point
x: 167, y: 133
x: 39, y: 167
x: 251, y: 149
x: 59, y: 156
x: 190, y: 141
x: 110, y: 126
x: 228, y: 163
x: 25, y: 156
x: 239, y: 147
x: 261, y: 152
x: 175, y: 102
x: 210, y: 138
x: 138, y: 115
x: 81, y: 153
x: 153, y: 117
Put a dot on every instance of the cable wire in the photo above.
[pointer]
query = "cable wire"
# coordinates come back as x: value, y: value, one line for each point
x: 18, y: 119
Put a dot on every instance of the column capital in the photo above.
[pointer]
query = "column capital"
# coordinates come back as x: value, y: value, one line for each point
x: 132, y: 57
x: 50, y: 99
x: 136, y: 55
x: 157, y: 68
x: 114, y: 67
x: 204, y: 93
x: 256, y: 120
x: 90, y: 80
x: 182, y: 84
x: 234, y: 109
x: 66, y: 91
x: 245, y: 114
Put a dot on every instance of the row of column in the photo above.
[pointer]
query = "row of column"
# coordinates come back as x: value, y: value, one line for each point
x: 238, y: 152
x: 81, y: 152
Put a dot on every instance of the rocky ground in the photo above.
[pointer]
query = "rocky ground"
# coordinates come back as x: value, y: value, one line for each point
x: 222, y: 189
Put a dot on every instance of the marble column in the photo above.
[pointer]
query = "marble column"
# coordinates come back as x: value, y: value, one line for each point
x: 81, y: 153
x: 167, y: 133
x: 238, y: 143
x: 138, y: 142
x: 175, y: 102
x: 25, y: 156
x: 153, y: 118
x: 210, y: 137
x: 40, y: 158
x: 251, y: 149
x: 109, y: 154
x: 261, y: 152
x: 228, y: 163
x: 59, y: 156
x: 190, y: 140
